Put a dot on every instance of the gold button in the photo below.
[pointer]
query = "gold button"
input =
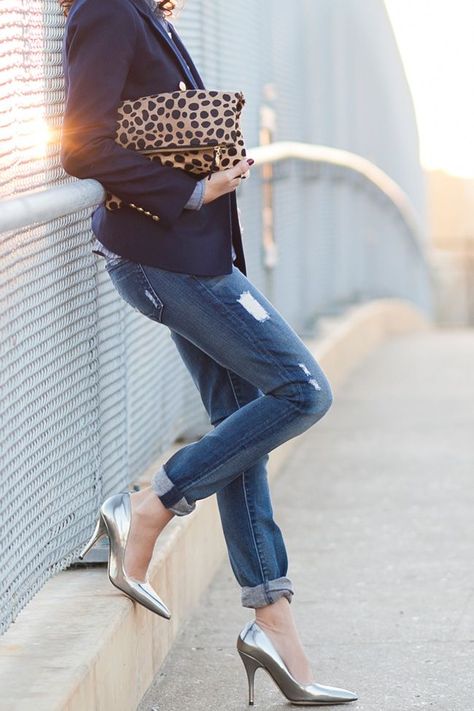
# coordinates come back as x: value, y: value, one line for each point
x: 182, y: 85
x: 155, y: 217
x: 132, y: 205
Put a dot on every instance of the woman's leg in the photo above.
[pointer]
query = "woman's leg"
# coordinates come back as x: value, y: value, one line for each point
x: 231, y: 320
x: 255, y: 545
x: 224, y: 316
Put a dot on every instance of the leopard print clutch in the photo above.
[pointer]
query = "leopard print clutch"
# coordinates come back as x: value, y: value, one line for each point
x: 196, y: 130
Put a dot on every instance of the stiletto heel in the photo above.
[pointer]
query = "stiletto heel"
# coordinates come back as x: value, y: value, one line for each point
x: 257, y: 650
x: 251, y: 665
x: 115, y: 517
x: 99, y: 531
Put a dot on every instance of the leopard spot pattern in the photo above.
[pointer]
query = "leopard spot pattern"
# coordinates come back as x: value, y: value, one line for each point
x: 181, y: 129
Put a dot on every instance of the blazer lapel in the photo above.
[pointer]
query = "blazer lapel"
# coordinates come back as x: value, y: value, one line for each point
x: 187, y: 57
x: 192, y: 73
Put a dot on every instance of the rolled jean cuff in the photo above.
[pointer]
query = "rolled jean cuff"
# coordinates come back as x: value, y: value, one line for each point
x: 266, y: 593
x: 170, y: 495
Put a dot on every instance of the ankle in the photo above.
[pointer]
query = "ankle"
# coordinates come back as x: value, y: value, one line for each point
x: 276, y: 616
x: 149, y: 509
x: 276, y: 627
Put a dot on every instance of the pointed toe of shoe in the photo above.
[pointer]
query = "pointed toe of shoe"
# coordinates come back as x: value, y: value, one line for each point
x: 346, y: 695
x: 351, y: 696
x: 150, y: 599
x: 143, y: 593
x: 329, y: 694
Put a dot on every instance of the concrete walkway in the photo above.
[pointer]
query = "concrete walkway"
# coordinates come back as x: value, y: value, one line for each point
x: 377, y: 510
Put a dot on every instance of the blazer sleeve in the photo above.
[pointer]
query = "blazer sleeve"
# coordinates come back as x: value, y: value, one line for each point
x: 98, y: 49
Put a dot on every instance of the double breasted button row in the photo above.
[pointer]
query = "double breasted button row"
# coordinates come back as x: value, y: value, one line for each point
x: 145, y: 212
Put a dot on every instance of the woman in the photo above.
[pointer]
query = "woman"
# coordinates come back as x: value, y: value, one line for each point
x: 177, y: 258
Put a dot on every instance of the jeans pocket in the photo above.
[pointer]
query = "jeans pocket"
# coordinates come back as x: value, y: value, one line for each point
x: 131, y: 282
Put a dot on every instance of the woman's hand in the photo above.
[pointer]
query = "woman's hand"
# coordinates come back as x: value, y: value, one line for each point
x: 225, y: 181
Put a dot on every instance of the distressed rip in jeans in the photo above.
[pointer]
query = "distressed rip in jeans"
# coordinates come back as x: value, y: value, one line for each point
x: 260, y: 386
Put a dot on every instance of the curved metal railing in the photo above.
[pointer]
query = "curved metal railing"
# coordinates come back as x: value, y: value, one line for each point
x: 45, y: 205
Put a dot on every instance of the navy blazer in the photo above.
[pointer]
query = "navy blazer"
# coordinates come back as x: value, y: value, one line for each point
x: 115, y: 50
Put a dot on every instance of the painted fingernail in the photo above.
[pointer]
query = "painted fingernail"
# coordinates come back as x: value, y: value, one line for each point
x: 250, y: 161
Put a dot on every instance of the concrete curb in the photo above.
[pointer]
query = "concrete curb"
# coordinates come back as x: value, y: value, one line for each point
x: 347, y: 340
x: 82, y: 645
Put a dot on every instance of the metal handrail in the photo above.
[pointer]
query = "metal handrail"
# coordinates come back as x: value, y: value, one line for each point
x: 363, y: 167
x: 44, y: 205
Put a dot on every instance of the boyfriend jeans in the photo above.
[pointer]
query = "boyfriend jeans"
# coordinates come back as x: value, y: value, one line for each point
x: 260, y: 386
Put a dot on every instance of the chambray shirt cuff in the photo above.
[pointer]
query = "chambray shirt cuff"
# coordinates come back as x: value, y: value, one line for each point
x: 197, y: 196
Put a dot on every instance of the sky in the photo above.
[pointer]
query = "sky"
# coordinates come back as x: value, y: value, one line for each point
x: 436, y: 41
